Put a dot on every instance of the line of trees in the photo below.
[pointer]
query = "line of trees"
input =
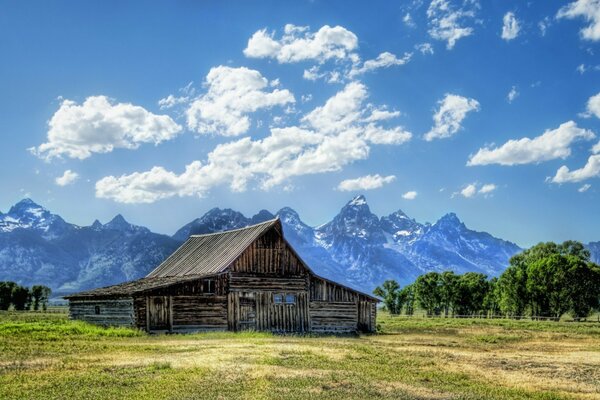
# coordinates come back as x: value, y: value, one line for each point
x: 23, y: 298
x: 547, y: 280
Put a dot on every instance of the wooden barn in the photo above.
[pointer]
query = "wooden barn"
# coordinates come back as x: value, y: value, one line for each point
x: 243, y: 279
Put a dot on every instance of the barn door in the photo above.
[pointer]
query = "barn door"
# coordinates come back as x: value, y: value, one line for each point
x: 158, y: 313
x: 247, y: 313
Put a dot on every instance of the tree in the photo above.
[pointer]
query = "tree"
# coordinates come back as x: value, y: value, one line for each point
x: 584, y: 281
x: 389, y: 293
x: 406, y: 298
x: 21, y: 298
x: 428, y: 293
x: 6, y: 289
x: 550, y: 279
x: 40, y: 295
x: 448, y: 291
x: 491, y: 302
x: 472, y: 287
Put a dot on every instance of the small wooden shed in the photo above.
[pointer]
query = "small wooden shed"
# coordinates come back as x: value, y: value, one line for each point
x: 243, y: 279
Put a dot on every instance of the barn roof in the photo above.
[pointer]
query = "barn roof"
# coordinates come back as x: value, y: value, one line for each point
x: 211, y: 253
x: 133, y: 287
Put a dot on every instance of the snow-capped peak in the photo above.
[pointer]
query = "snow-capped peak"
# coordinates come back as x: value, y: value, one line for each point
x: 359, y: 200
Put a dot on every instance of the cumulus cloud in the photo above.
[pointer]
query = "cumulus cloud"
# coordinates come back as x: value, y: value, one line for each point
x: 100, y: 126
x: 328, y: 44
x: 448, y: 22
x: 411, y: 195
x: 67, y: 178
x: 453, y: 109
x: 552, y: 144
x: 328, y: 138
x: 367, y: 182
x: 473, y: 189
x: 232, y: 94
x: 512, y: 94
x: 589, y: 10
x: 299, y: 44
x: 469, y: 190
x: 384, y: 60
x: 590, y: 170
x: 510, y: 26
x: 593, y: 106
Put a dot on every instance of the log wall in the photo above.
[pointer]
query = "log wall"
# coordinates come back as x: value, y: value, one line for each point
x: 113, y: 312
x: 335, y: 317
x: 257, y: 310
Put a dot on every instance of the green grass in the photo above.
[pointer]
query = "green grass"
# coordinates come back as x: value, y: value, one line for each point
x: 46, y: 356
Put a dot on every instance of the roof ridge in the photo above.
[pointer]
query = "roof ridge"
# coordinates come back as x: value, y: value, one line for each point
x: 238, y: 229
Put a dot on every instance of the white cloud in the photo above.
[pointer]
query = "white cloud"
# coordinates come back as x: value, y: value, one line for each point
x: 473, y: 189
x: 453, y: 109
x: 581, y: 68
x: 424, y: 48
x: 232, y: 93
x: 510, y: 26
x: 299, y: 44
x: 367, y: 182
x: 447, y: 22
x: 171, y: 101
x: 408, y: 20
x: 469, y: 190
x: 552, y: 144
x: 590, y: 170
x: 512, y: 95
x: 411, y: 195
x: 67, y: 178
x: 381, y: 115
x: 384, y: 60
x: 99, y: 126
x: 584, y: 188
x: 596, y: 148
x: 593, y: 106
x: 544, y: 25
x: 589, y: 10
x: 329, y: 137
x: 487, y: 188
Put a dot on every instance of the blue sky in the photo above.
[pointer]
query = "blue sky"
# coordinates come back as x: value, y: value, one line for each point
x: 305, y: 104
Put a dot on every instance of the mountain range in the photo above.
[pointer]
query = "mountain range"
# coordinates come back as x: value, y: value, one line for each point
x: 356, y: 247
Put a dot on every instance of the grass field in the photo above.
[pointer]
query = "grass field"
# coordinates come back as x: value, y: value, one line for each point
x: 45, y: 356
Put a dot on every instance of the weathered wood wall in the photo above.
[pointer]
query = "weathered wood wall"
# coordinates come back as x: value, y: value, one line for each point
x: 333, y: 316
x: 335, y: 308
x: 189, y: 307
x: 256, y: 310
x: 113, y: 312
x: 269, y: 254
x: 199, y: 312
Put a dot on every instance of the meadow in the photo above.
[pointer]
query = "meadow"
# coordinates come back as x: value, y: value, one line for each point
x: 46, y: 356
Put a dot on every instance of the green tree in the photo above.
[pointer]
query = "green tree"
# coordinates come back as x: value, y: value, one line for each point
x: 428, y: 292
x: 472, y: 287
x: 448, y: 291
x: 6, y: 289
x: 21, y: 298
x: 584, y: 280
x: 388, y: 292
x: 40, y: 295
x: 491, y: 302
x: 406, y: 299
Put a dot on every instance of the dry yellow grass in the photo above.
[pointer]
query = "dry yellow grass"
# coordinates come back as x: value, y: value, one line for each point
x: 412, y: 359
